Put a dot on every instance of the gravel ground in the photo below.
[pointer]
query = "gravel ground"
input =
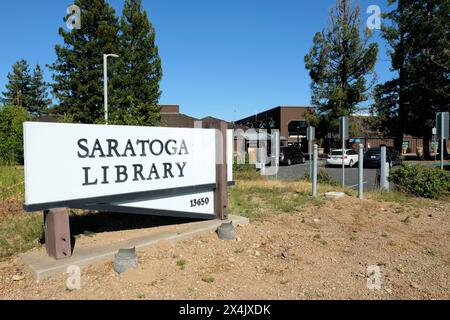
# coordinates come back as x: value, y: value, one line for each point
x: 320, y: 252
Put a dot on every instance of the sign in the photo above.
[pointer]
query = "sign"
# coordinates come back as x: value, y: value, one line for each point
x: 271, y: 123
x: 97, y: 166
x: 303, y: 124
x: 311, y: 133
x: 343, y: 128
x: 357, y: 140
x: 442, y: 125
x: 434, y: 131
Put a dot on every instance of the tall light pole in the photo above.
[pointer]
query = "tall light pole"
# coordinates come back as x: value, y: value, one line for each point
x: 105, y: 81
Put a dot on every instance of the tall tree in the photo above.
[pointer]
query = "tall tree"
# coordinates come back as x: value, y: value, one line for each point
x: 78, y: 70
x: 38, y: 100
x: 341, y: 66
x: 418, y: 35
x: 11, y: 133
x: 18, y: 86
x: 139, y: 67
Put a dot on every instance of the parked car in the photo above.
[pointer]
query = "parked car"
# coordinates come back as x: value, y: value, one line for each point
x: 335, y: 158
x: 295, y: 144
x: 372, y: 158
x: 291, y: 155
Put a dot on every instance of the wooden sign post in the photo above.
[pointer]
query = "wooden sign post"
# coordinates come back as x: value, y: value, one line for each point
x: 220, y: 193
x: 57, y: 233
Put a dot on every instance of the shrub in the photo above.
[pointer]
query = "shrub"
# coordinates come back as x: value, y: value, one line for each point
x: 11, y: 133
x: 421, y: 181
x: 322, y: 177
x: 245, y: 171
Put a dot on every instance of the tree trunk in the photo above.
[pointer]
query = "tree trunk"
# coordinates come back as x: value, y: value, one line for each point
x: 398, y: 141
x: 445, y: 150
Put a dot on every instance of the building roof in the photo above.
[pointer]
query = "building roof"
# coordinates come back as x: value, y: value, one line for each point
x: 170, y: 117
x: 231, y: 125
x: 177, y: 120
x: 273, y: 109
x: 169, y: 108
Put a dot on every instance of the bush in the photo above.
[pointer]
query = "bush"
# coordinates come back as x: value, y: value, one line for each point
x: 322, y: 177
x: 421, y: 181
x: 11, y: 134
x: 245, y: 171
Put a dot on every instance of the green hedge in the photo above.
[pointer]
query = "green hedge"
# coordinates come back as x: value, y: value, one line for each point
x: 11, y: 134
x: 421, y: 181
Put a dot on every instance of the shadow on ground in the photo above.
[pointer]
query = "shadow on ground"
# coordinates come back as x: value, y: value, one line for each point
x: 93, y: 223
x: 99, y: 222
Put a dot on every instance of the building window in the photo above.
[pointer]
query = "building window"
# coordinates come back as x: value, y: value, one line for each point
x: 297, y: 127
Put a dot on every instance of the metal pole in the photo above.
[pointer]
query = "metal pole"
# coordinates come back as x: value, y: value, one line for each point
x: 105, y: 81
x: 310, y: 147
x: 314, y: 174
x: 361, y: 171
x: 277, y: 153
x: 384, y: 183
x: 105, y: 85
x: 442, y: 140
x: 343, y: 166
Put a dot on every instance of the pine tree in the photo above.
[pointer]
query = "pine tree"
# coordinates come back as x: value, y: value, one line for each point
x: 18, y: 86
x: 389, y: 98
x: 78, y: 70
x: 341, y: 66
x: 139, y: 68
x: 38, y: 100
x: 419, y: 39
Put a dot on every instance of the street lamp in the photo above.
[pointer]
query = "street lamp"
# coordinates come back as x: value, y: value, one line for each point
x: 105, y: 81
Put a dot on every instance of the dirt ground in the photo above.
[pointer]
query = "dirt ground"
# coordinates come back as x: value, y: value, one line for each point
x: 319, y: 252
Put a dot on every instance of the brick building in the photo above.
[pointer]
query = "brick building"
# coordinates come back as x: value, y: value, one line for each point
x: 289, y: 120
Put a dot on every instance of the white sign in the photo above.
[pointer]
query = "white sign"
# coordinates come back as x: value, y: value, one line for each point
x: 71, y: 162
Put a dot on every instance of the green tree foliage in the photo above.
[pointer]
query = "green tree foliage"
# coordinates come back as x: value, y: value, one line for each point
x: 139, y: 72
x: 133, y: 77
x: 26, y: 90
x: 18, y: 86
x: 11, y: 133
x: 78, y: 70
x: 341, y: 66
x: 38, y: 100
x: 418, y: 34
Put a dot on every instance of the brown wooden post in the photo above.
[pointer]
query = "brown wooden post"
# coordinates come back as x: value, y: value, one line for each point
x: 221, y: 193
x: 57, y: 233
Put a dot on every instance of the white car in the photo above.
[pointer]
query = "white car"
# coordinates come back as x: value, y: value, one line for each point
x: 335, y: 158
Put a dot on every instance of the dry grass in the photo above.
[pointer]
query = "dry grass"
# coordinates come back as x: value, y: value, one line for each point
x: 19, y: 231
x: 11, y: 182
x: 259, y: 197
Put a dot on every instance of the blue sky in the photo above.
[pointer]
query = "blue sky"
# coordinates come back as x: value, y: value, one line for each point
x: 225, y: 58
